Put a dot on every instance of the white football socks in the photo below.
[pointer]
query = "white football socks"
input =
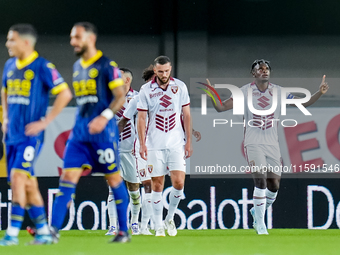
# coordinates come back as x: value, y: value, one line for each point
x: 259, y: 205
x: 157, y: 207
x: 146, y: 210
x: 270, y: 198
x: 112, y: 211
x: 174, y: 198
x: 135, y: 205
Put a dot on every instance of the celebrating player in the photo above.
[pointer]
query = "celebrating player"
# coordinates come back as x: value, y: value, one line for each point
x: 261, y: 143
x: 27, y: 79
x: 93, y: 142
x: 127, y: 161
x: 164, y: 145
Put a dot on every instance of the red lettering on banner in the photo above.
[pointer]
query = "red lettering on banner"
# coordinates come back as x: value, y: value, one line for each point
x: 332, y: 136
x: 296, y: 147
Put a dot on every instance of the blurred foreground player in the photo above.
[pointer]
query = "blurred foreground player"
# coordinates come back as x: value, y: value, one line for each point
x: 261, y: 144
x: 127, y: 160
x: 163, y: 145
x: 93, y: 141
x: 27, y: 80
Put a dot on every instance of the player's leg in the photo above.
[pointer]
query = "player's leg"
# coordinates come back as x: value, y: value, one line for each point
x: 146, y: 208
x: 257, y: 162
x: 157, y: 169
x: 36, y: 211
x: 177, y: 167
x: 135, y: 202
x: 120, y: 194
x: 274, y: 174
x: 112, y: 212
x: 76, y: 156
x: 130, y: 175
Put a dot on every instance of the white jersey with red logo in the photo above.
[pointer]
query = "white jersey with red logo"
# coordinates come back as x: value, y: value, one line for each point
x: 164, y: 107
x: 127, y: 136
x: 262, y: 129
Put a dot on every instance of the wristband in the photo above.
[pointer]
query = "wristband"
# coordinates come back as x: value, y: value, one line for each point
x: 107, y: 113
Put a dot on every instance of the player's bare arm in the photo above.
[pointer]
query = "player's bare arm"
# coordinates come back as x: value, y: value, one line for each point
x: 226, y: 104
x: 187, y: 129
x: 4, y: 111
x: 98, y: 124
x: 143, y: 151
x: 62, y: 99
x: 322, y: 90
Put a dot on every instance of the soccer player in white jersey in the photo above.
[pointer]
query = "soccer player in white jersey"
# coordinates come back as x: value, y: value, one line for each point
x: 164, y: 144
x: 261, y: 145
x: 127, y: 162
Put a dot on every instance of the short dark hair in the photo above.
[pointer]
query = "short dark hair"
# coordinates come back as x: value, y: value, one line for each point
x: 25, y: 29
x: 148, y: 73
x: 162, y: 60
x: 126, y: 70
x: 89, y: 27
x: 260, y: 61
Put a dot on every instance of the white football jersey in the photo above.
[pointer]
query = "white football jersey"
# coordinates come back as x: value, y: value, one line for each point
x: 130, y: 113
x: 164, y: 130
x: 127, y: 136
x: 262, y: 129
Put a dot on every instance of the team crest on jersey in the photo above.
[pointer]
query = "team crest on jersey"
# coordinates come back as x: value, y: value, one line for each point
x: 174, y: 89
x: 142, y: 172
x: 9, y: 74
x: 93, y: 73
x: 29, y: 74
x: 252, y: 163
x: 150, y: 168
x: 128, y: 99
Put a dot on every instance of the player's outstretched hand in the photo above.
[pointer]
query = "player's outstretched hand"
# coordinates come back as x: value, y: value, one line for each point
x: 34, y: 128
x: 143, y: 151
x: 188, y: 150
x: 323, y: 86
x: 97, y: 125
x: 197, y: 135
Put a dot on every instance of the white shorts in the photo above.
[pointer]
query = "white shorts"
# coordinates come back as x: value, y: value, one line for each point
x: 263, y: 158
x: 143, y: 169
x: 128, y: 167
x: 160, y: 162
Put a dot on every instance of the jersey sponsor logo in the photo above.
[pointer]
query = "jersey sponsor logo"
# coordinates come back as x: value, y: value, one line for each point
x: 263, y: 101
x: 150, y: 168
x: 165, y: 124
x: 18, y: 100
x: 156, y: 94
x: 85, y: 87
x: 87, y: 99
x: 29, y: 74
x: 174, y: 89
x: 165, y: 101
x: 18, y: 87
x: 93, y: 73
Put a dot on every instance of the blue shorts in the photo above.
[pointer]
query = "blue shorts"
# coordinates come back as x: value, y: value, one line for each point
x: 21, y: 157
x: 98, y: 157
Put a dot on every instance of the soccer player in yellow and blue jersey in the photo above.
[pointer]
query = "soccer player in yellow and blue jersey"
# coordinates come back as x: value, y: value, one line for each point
x: 93, y: 142
x: 26, y: 82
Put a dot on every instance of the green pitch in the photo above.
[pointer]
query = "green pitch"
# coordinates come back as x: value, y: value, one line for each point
x: 279, y: 241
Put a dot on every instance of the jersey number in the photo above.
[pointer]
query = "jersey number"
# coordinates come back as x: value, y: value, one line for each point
x: 107, y: 156
x: 29, y: 153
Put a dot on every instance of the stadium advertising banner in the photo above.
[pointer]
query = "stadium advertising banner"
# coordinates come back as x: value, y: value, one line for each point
x: 313, y: 142
x: 209, y: 204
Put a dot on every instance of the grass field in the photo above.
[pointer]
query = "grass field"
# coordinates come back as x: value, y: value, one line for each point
x: 279, y: 241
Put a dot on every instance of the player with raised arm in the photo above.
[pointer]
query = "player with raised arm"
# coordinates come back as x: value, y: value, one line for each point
x: 163, y: 144
x: 127, y: 161
x: 27, y: 80
x: 93, y: 142
x: 261, y: 144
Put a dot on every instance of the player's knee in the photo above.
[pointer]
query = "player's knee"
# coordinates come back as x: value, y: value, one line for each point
x: 178, y: 184
x: 132, y: 186
x: 260, y: 183
x: 147, y: 186
x: 273, y: 185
